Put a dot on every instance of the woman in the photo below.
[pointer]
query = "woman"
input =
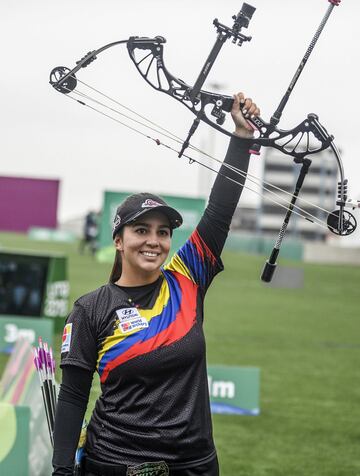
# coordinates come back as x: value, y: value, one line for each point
x: 143, y: 334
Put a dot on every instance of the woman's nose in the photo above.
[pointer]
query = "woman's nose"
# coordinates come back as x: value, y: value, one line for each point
x: 152, y: 240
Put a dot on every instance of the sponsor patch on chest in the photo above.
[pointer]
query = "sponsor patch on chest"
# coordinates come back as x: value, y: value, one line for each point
x: 130, y: 320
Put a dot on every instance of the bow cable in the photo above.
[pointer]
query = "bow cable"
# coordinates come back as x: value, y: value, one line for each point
x: 236, y: 170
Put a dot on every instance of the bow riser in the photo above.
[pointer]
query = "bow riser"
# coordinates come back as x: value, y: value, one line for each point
x: 212, y: 107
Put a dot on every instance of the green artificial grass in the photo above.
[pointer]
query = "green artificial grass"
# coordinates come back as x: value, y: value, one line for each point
x: 306, y: 343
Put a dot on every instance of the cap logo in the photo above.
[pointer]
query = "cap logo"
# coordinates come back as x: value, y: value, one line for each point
x: 150, y: 204
x: 117, y: 221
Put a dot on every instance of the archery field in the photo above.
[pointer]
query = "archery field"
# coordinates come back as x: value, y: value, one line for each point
x: 306, y: 343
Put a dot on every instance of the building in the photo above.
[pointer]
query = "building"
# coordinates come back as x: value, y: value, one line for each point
x: 319, y: 190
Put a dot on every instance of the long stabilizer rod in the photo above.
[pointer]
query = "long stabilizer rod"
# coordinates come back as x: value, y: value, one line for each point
x: 277, y: 114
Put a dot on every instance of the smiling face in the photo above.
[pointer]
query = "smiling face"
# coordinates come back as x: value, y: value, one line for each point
x: 144, y: 246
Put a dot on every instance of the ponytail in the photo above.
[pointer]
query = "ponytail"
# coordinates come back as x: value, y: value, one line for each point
x: 117, y: 266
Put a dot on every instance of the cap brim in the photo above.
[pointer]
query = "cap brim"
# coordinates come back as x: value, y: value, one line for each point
x: 174, y: 217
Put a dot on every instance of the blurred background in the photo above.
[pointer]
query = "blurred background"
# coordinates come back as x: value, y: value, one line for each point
x: 65, y: 168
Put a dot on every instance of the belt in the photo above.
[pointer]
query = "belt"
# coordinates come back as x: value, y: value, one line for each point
x: 104, y: 469
x: 158, y: 468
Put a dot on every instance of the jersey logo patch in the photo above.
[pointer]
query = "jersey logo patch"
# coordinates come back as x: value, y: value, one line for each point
x: 130, y: 320
x: 66, y: 338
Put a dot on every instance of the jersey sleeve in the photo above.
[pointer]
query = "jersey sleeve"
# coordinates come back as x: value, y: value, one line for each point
x: 199, y: 259
x: 196, y: 261
x: 79, y: 345
x: 225, y: 194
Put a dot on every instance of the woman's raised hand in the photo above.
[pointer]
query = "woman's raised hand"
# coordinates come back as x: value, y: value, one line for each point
x: 242, y: 109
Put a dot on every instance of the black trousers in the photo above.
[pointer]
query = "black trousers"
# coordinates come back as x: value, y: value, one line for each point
x: 207, y: 469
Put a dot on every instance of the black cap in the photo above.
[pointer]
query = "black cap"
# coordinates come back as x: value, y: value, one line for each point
x: 136, y: 205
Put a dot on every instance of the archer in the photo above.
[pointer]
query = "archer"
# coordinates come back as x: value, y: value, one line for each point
x: 143, y: 333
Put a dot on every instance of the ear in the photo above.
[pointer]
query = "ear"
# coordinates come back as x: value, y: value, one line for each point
x: 118, y: 243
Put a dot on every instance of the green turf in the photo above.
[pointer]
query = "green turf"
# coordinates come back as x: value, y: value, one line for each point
x: 306, y: 343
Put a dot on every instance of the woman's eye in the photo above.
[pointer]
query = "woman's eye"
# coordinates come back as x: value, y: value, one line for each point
x: 164, y: 233
x: 140, y: 231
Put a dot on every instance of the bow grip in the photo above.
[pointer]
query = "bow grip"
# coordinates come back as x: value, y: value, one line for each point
x: 255, y: 123
x: 254, y: 148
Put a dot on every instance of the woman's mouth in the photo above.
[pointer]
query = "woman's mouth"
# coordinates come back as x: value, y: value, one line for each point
x: 150, y: 254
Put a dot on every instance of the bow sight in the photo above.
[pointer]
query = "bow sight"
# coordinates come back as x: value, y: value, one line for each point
x: 304, y: 140
x: 241, y: 20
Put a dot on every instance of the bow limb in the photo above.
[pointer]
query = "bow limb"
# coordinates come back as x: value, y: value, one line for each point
x: 64, y: 80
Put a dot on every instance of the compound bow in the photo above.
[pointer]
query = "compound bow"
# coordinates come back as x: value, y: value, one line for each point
x: 211, y: 108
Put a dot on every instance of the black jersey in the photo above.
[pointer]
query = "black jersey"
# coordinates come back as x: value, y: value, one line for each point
x: 151, y: 362
x: 148, y: 347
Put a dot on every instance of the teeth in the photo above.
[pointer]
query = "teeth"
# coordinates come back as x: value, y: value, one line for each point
x: 148, y: 253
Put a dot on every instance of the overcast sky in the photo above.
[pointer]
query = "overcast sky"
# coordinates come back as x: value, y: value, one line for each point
x: 46, y: 135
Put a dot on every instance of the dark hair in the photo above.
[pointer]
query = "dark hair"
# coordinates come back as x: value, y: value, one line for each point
x: 117, y: 266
